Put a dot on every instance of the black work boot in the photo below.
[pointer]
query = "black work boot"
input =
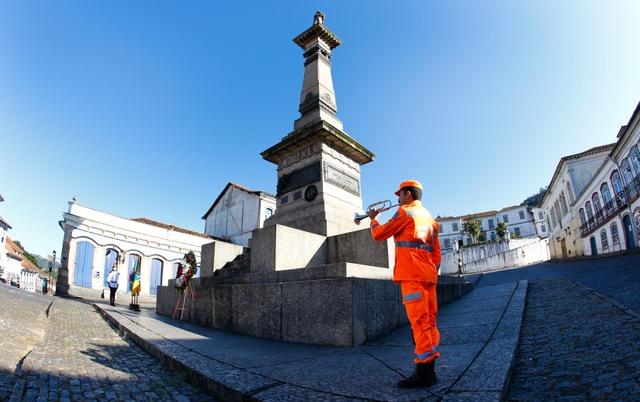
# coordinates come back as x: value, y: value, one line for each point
x: 423, y: 376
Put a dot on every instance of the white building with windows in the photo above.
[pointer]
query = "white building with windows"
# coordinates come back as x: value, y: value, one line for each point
x: 608, y: 207
x: 540, y: 221
x: 94, y: 241
x: 573, y: 173
x: 237, y: 212
x: 519, y: 219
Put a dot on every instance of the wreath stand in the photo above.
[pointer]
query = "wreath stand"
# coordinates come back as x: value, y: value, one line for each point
x: 182, y: 306
x: 134, y: 303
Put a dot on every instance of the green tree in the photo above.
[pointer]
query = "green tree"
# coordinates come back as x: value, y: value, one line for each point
x: 501, y: 230
x: 473, y: 227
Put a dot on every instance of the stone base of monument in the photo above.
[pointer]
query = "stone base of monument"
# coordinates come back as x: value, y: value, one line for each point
x: 303, y: 287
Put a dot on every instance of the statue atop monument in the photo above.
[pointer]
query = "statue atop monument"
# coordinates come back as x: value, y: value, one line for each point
x: 318, y: 18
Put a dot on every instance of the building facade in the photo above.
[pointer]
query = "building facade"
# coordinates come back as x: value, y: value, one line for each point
x: 608, y: 208
x: 237, y: 212
x: 95, y: 241
x: 519, y: 219
x: 571, y: 176
x: 4, y: 227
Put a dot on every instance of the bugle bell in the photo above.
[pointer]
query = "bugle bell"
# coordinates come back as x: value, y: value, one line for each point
x: 379, y: 206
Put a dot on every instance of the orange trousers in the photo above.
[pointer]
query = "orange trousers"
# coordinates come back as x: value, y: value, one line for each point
x: 421, y: 303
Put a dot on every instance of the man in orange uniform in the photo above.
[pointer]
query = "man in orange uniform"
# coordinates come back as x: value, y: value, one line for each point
x: 416, y: 270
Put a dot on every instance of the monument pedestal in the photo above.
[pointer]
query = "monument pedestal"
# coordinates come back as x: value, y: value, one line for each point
x: 311, y: 275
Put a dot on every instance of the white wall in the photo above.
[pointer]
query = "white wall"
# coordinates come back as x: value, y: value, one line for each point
x: 237, y: 214
x: 104, y: 231
x: 528, y: 251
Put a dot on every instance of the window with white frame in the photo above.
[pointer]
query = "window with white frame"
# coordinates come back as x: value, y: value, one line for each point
x: 583, y: 220
x: 521, y: 213
x: 615, y: 237
x: 517, y: 231
x: 505, y: 218
x: 491, y: 224
x: 447, y: 243
x: 571, y: 197
x: 543, y: 228
x: 596, y: 202
x: 540, y: 215
x: 454, y: 226
x: 563, y: 204
x: 440, y: 228
x: 627, y: 174
x: 616, y: 182
x: 587, y: 207
x: 606, y: 194
x: 634, y: 155
x: 604, y: 240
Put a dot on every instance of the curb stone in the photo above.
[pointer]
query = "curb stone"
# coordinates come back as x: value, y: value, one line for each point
x: 198, y: 370
x: 488, y: 376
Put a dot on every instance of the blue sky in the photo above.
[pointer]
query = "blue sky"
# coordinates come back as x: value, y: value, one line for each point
x: 149, y: 108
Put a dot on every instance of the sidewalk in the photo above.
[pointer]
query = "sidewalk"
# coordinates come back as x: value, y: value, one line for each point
x: 480, y: 334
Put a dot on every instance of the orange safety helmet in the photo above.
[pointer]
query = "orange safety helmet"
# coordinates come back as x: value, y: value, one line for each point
x: 408, y: 183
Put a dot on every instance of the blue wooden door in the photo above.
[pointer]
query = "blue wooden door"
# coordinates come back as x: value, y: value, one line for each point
x: 594, y: 247
x: 84, y: 264
x: 112, y: 256
x: 156, y: 276
x: 628, y: 232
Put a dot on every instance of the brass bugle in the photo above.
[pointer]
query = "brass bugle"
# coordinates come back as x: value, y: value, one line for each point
x: 379, y: 206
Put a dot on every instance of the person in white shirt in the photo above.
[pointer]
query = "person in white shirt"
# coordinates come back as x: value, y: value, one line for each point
x: 114, y: 275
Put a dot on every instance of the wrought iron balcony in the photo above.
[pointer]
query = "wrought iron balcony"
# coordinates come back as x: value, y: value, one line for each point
x: 603, y: 215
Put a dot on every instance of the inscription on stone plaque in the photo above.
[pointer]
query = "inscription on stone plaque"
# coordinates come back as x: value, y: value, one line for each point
x: 340, y: 179
x: 299, y: 178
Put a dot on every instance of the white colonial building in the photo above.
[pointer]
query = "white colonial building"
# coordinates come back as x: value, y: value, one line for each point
x: 608, y: 207
x: 94, y: 241
x: 540, y: 221
x: 571, y: 176
x: 237, y: 212
x: 519, y: 219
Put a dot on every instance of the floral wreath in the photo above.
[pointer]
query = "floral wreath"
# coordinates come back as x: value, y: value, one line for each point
x: 187, y: 268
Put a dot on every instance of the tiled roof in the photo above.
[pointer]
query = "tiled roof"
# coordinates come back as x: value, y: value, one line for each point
x: 170, y: 227
x: 16, y: 252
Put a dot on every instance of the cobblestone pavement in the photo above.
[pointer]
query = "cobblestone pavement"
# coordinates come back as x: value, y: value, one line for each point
x: 575, y: 346
x: 82, y: 358
x: 616, y: 277
x: 21, y: 314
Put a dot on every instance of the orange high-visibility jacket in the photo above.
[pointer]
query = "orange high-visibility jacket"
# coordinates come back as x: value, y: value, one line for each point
x: 417, y: 256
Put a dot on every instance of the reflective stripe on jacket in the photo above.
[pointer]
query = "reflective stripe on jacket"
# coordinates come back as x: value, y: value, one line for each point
x: 417, y: 246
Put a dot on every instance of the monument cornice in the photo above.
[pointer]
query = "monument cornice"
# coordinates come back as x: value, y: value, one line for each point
x: 317, y: 31
x: 318, y: 132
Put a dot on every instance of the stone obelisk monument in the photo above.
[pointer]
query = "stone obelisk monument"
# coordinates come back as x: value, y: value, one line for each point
x: 318, y: 163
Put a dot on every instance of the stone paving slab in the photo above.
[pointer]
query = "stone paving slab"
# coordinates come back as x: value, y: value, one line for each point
x: 236, y: 367
x: 576, y: 344
x: 81, y: 358
x: 23, y: 318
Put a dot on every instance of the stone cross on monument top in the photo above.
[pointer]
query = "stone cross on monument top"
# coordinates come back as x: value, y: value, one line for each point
x: 318, y: 163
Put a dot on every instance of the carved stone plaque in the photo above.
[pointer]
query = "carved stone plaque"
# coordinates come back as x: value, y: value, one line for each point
x: 299, y: 178
x: 340, y: 179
